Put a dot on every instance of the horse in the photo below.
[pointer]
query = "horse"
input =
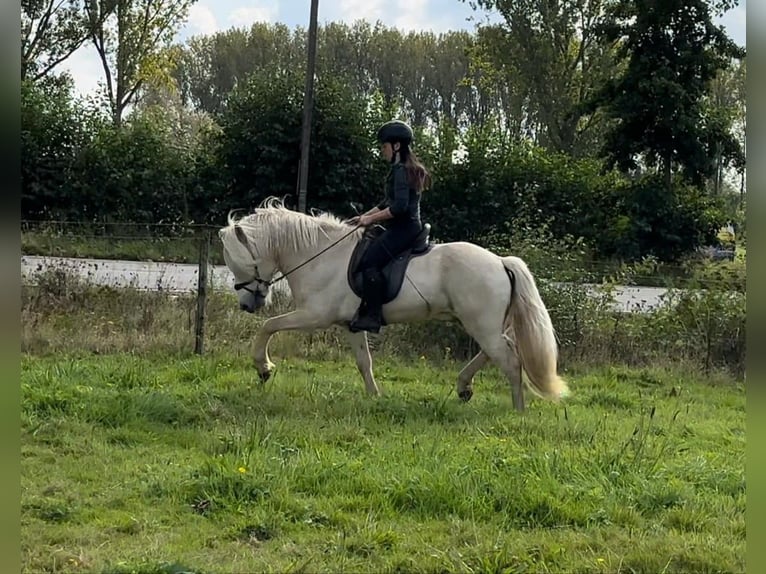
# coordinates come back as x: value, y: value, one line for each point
x: 495, y: 298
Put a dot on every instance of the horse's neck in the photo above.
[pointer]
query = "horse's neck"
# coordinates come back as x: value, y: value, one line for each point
x: 320, y: 262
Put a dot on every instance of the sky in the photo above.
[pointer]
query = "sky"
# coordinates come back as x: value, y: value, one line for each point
x: 209, y: 16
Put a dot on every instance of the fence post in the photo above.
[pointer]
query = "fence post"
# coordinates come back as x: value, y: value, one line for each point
x: 204, y: 259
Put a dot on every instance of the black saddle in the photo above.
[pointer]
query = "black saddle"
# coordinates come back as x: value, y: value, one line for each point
x: 393, y: 272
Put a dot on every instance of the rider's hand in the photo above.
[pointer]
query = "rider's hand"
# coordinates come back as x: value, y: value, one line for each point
x: 364, y: 220
x: 354, y: 220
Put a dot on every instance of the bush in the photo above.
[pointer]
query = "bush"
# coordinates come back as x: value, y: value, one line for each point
x: 646, y: 220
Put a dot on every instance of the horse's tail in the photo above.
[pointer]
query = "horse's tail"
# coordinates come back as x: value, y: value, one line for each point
x: 533, y: 330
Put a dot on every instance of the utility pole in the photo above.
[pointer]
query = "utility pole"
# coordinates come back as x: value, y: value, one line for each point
x: 308, y: 102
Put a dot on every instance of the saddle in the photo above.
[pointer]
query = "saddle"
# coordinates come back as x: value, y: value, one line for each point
x: 394, y: 271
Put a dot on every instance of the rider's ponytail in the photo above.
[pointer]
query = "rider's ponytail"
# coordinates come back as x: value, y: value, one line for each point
x: 418, y: 176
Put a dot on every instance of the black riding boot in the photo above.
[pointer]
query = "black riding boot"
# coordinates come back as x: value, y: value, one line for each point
x: 369, y: 317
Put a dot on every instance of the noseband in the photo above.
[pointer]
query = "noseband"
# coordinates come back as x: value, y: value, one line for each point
x: 244, y: 285
x: 256, y: 279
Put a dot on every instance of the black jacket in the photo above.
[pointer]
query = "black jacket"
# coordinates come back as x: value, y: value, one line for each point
x: 401, y: 199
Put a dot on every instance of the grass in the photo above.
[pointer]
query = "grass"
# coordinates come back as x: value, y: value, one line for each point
x: 153, y: 463
x: 140, y: 457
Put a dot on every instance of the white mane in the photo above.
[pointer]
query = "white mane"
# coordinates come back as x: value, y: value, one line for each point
x: 272, y: 226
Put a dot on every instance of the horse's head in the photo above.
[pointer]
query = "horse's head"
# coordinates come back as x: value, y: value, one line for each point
x: 258, y: 245
x: 252, y: 268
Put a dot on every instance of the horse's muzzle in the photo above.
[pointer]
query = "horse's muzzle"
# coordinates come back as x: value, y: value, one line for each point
x: 252, y: 303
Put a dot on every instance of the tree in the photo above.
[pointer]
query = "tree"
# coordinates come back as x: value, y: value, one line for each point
x: 51, y: 31
x: 260, y: 143
x: 674, y: 51
x: 129, y: 36
x: 725, y: 105
x: 548, y: 59
x: 209, y: 67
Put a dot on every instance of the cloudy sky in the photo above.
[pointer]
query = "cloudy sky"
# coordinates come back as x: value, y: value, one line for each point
x: 208, y: 16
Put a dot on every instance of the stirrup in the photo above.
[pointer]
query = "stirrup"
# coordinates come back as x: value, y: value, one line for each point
x: 365, y: 322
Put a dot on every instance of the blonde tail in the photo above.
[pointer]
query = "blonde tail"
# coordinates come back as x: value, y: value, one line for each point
x: 534, y: 333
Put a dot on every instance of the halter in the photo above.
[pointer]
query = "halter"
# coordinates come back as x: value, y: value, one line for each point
x: 256, y: 278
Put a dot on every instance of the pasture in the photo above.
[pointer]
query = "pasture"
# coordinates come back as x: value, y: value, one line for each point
x: 138, y: 456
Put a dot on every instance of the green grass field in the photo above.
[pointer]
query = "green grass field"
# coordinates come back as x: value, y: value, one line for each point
x: 154, y: 462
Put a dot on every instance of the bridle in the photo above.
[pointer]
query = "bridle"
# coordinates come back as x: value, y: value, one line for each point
x: 246, y: 284
x: 257, y: 279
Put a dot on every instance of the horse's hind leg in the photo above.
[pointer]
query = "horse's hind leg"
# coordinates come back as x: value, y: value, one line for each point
x: 514, y: 372
x: 465, y: 377
x: 361, y: 350
x: 501, y: 350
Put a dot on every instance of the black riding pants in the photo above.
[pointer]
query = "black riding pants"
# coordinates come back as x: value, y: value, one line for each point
x: 393, y: 241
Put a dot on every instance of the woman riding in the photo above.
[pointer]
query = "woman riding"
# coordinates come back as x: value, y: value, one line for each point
x: 399, y: 213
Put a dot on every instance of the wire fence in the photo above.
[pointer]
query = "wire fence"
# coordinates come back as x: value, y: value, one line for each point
x: 157, y: 256
x: 174, y: 242
x: 188, y: 258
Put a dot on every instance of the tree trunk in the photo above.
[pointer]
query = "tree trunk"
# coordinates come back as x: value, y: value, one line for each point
x: 718, y: 172
x: 742, y: 189
x: 668, y: 173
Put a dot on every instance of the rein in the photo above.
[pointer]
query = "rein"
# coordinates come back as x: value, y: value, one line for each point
x: 244, y: 285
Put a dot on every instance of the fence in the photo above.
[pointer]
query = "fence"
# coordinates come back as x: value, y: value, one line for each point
x: 188, y: 259
x: 61, y: 243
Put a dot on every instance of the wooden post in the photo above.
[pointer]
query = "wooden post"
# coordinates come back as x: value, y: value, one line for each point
x: 308, y: 102
x: 204, y: 256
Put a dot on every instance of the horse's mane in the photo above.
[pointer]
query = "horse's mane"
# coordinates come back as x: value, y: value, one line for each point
x: 273, y: 225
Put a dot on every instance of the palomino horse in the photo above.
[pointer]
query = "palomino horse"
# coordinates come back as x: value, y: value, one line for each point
x: 495, y: 298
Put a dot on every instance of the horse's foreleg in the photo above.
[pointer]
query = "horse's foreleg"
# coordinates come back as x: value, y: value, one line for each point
x: 298, y: 320
x: 361, y: 350
x: 465, y: 377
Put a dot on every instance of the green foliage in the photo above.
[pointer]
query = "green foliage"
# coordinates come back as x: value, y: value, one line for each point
x: 210, y: 66
x: 54, y: 130
x: 712, y: 321
x: 168, y: 163
x: 51, y: 31
x: 260, y: 143
x: 674, y: 52
x: 499, y: 188
x: 420, y: 70
x: 648, y: 219
x: 132, y: 39
x: 543, y: 64
x: 139, y: 172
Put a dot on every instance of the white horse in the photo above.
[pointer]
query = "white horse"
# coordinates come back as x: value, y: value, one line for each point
x: 495, y: 298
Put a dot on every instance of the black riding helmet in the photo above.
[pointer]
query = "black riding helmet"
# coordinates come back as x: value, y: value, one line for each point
x: 395, y: 131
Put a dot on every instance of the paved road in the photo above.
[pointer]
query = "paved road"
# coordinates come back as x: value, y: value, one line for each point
x: 149, y: 275
x: 177, y: 277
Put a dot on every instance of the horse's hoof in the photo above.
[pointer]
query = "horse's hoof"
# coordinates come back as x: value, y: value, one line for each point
x: 265, y: 375
x: 465, y: 395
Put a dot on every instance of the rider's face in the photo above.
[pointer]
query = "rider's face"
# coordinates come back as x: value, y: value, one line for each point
x: 388, y: 150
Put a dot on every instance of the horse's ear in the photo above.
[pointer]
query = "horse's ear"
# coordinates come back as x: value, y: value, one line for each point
x: 241, y: 235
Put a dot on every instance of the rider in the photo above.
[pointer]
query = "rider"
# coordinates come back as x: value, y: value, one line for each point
x: 399, y: 212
